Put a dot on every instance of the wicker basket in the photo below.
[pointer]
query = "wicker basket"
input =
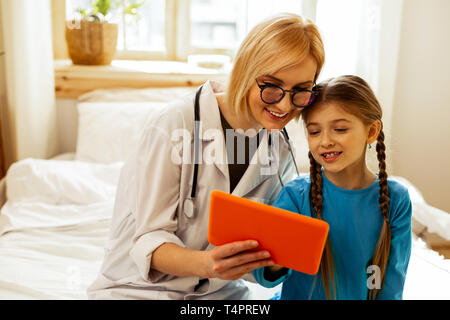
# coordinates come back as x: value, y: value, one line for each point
x: 91, y: 42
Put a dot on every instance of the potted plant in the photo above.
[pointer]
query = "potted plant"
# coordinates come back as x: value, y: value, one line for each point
x: 92, y: 39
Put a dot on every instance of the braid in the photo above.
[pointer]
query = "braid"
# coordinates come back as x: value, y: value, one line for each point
x: 326, y: 264
x: 316, y: 185
x: 381, y: 254
x: 381, y: 155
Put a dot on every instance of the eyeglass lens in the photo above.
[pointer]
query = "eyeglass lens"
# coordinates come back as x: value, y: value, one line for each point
x: 274, y: 95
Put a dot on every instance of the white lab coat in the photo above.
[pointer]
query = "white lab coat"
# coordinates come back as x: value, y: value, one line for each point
x: 148, y: 209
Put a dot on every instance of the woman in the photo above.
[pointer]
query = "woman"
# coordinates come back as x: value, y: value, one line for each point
x: 158, y: 247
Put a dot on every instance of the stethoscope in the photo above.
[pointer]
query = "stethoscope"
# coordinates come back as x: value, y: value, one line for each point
x: 188, y: 204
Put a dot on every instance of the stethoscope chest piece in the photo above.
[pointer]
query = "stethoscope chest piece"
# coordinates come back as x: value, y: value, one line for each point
x: 189, y: 207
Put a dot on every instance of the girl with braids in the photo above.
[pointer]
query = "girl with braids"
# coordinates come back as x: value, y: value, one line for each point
x: 369, y: 243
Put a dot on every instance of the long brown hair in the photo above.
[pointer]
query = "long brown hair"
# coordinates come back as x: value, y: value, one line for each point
x: 356, y: 97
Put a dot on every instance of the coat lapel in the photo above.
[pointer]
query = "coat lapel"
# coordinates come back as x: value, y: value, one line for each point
x: 211, y: 133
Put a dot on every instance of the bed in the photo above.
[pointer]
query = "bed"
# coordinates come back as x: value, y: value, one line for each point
x: 55, y: 213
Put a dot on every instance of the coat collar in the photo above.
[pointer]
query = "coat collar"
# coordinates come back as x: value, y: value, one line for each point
x: 211, y: 133
x: 209, y: 110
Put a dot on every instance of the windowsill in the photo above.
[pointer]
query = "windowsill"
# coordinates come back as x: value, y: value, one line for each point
x: 71, y: 81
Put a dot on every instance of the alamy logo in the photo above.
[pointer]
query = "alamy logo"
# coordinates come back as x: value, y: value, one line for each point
x: 213, y: 151
x: 374, y: 280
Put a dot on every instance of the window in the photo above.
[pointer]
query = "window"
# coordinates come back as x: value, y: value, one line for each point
x: 141, y: 35
x: 175, y: 29
x: 351, y: 34
x: 218, y: 26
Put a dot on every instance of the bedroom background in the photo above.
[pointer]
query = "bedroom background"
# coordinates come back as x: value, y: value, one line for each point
x: 400, y: 46
x: 408, y: 67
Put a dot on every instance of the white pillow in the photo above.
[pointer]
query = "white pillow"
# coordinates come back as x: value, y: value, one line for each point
x: 108, y: 131
x: 136, y: 95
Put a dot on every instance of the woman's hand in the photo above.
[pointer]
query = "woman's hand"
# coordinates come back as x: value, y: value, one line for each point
x: 233, y: 260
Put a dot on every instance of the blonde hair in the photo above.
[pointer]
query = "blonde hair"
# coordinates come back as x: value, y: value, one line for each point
x: 354, y: 95
x: 286, y: 35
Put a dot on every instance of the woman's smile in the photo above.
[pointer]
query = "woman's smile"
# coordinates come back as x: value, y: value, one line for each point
x: 275, y: 115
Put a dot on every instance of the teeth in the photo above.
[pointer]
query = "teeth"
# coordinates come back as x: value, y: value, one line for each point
x: 279, y: 115
x: 330, y: 155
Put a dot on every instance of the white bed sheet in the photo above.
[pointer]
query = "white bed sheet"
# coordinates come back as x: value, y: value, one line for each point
x: 53, y: 249
x: 53, y: 230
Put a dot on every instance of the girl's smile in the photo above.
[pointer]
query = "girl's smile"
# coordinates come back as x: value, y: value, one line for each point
x: 330, y: 156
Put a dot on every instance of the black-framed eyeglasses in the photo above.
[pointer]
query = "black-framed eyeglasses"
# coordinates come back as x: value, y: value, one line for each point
x: 300, y: 98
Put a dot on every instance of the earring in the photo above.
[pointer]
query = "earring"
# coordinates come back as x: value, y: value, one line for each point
x: 370, y: 146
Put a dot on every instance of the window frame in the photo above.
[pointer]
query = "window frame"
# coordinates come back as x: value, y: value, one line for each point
x: 178, y: 46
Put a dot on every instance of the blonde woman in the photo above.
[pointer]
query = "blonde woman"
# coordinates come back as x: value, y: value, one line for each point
x: 158, y: 247
x: 369, y: 244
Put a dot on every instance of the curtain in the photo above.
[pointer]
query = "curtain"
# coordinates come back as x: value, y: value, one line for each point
x: 2, y: 155
x: 350, y: 30
x: 6, y: 153
x: 29, y: 75
x: 362, y: 38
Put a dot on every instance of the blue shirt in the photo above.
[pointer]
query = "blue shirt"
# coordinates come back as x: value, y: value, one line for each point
x: 355, y: 221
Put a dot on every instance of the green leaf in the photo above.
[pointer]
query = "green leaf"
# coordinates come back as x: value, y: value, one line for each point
x: 102, y: 6
x: 132, y: 9
x: 81, y: 11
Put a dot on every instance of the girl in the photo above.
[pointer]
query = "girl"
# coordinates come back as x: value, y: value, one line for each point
x: 369, y: 243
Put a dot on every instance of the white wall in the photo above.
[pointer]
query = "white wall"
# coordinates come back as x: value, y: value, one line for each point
x: 421, y: 116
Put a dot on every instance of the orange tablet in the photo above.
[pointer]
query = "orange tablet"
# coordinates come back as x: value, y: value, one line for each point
x: 294, y: 241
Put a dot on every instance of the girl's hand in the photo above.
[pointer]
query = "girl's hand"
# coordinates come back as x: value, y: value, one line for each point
x: 233, y: 260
